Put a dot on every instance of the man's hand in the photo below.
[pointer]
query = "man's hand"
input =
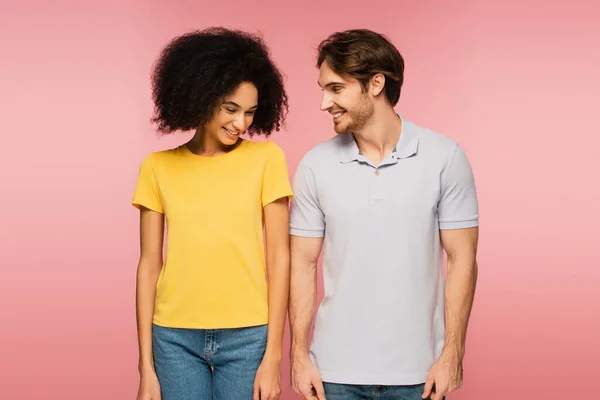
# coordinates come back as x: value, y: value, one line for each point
x: 306, y: 380
x: 446, y: 374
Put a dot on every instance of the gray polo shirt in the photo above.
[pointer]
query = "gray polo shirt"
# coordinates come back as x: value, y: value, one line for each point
x: 381, y: 320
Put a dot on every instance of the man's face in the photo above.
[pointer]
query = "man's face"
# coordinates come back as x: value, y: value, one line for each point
x: 344, y: 98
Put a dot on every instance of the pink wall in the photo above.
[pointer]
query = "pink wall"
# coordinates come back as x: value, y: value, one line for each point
x: 516, y: 84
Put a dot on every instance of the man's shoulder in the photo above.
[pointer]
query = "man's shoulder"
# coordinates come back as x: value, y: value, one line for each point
x: 324, y: 152
x: 430, y: 140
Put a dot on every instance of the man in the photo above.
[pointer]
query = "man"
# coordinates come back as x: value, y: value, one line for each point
x: 384, y: 198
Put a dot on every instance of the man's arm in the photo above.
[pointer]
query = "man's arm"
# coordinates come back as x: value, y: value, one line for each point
x: 304, y: 254
x: 461, y: 247
x: 303, y: 290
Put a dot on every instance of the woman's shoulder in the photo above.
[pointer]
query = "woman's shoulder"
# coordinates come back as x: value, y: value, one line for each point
x: 160, y: 160
x: 263, y: 148
x: 166, y: 155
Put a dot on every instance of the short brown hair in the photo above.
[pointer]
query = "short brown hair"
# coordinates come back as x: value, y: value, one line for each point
x: 361, y: 54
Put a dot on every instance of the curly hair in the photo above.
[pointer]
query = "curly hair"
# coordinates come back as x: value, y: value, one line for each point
x: 197, y: 70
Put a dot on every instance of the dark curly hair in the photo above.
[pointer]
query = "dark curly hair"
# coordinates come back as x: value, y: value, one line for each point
x: 197, y: 70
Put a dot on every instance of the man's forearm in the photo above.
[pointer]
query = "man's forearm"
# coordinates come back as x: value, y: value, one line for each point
x: 303, y: 297
x: 459, y: 294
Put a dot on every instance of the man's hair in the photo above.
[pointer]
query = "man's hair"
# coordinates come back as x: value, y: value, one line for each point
x: 361, y: 54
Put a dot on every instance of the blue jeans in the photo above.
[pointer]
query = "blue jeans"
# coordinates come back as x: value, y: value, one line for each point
x: 336, y: 391
x: 204, y: 364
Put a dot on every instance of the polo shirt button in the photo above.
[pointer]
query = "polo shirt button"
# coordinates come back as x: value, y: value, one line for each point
x: 377, y: 172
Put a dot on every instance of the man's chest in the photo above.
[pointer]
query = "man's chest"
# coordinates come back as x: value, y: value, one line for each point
x: 357, y: 193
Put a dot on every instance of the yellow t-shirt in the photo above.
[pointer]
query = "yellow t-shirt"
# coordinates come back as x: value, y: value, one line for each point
x: 214, y: 273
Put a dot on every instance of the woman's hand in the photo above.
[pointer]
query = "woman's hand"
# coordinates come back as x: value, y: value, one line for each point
x: 149, y: 386
x: 267, y: 384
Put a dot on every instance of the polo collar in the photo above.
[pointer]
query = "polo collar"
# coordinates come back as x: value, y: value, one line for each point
x: 406, y: 147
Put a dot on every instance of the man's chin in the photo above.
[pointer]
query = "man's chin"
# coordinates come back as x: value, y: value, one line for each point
x: 339, y: 128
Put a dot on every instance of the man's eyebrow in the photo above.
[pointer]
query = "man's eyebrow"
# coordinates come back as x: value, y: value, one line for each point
x: 334, y: 83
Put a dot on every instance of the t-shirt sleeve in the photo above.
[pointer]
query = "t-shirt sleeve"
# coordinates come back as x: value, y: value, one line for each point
x: 276, y: 182
x: 306, y: 217
x: 147, y: 189
x: 458, y: 207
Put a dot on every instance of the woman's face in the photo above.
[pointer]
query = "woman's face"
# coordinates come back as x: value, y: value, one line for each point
x: 234, y: 115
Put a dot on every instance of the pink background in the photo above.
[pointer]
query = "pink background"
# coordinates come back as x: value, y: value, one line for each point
x: 516, y: 84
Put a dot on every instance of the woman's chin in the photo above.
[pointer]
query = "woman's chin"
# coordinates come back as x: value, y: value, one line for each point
x: 227, y: 138
x: 228, y: 141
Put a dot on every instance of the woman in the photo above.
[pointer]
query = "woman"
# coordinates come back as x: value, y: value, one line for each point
x: 203, y: 313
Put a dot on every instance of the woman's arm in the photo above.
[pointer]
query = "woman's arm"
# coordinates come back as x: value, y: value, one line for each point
x: 278, y: 270
x: 276, y: 214
x: 150, y: 264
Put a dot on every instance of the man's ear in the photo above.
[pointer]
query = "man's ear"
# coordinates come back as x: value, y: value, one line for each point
x: 376, y: 84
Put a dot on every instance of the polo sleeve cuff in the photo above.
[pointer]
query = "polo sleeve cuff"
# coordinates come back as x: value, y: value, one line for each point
x: 307, y: 233
x: 471, y: 223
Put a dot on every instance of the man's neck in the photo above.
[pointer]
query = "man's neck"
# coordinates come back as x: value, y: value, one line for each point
x: 379, y: 137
